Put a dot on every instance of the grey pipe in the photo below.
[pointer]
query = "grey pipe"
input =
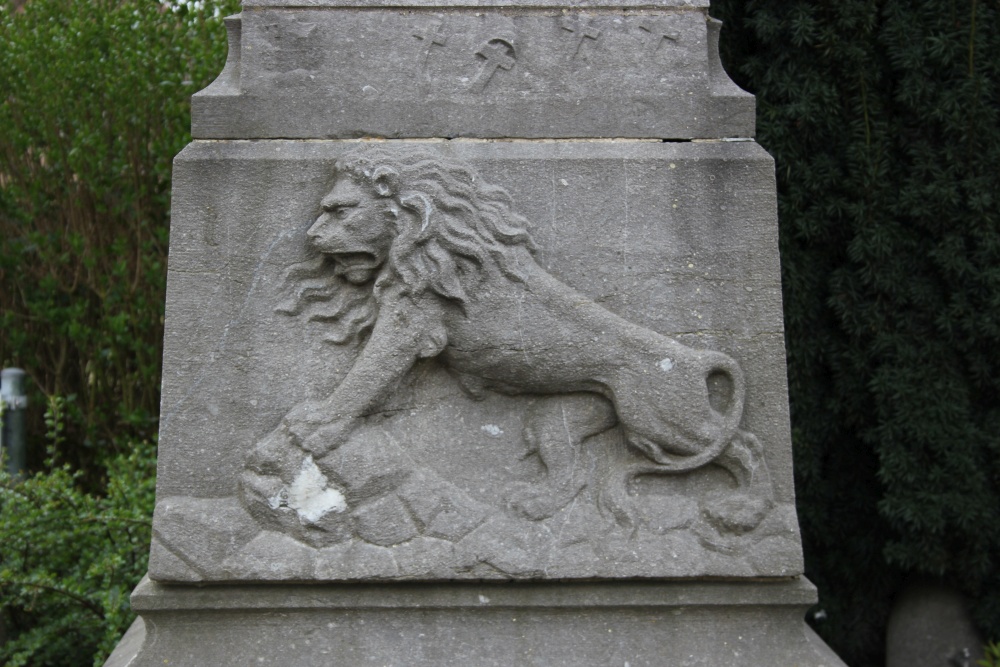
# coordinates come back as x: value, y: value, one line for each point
x: 12, y: 440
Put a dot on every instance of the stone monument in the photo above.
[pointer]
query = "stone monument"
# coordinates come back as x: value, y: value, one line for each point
x: 474, y: 349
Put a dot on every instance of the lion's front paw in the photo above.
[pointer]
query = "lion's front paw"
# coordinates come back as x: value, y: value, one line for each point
x: 328, y: 437
x: 313, y: 426
x: 274, y: 455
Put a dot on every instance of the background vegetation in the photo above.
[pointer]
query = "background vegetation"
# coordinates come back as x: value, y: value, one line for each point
x: 93, y: 107
x: 882, y: 116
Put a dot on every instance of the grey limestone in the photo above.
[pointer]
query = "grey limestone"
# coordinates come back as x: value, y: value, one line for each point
x: 480, y: 625
x: 600, y: 71
x: 473, y: 349
x: 636, y: 229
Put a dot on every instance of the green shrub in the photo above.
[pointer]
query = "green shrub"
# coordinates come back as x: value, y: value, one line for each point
x: 69, y: 558
x: 883, y: 117
x: 94, y: 106
x: 991, y: 656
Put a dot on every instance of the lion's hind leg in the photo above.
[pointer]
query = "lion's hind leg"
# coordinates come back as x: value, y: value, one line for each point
x: 744, y: 510
x: 555, y: 428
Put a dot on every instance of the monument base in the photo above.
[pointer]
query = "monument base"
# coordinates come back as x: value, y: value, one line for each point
x: 635, y: 624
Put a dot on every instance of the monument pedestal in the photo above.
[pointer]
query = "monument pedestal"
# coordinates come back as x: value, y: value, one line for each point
x: 473, y: 349
x: 752, y: 623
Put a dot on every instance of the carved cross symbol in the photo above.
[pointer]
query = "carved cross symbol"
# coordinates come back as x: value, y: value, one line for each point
x: 581, y: 30
x: 499, y: 54
x: 430, y: 36
x: 657, y: 35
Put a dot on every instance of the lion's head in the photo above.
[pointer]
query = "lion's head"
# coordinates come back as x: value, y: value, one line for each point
x: 414, y: 219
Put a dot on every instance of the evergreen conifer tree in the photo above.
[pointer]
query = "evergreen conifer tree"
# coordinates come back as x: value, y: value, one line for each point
x: 882, y: 116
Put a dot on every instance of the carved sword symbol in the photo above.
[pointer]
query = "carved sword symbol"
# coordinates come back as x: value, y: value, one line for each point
x: 499, y: 54
x: 430, y: 36
x: 657, y: 35
x: 581, y: 30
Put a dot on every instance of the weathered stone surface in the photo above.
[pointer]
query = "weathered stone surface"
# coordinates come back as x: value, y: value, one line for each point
x: 371, y: 562
x: 634, y: 226
x: 190, y: 533
x: 385, y: 522
x: 336, y: 71
x: 556, y: 625
x: 429, y: 325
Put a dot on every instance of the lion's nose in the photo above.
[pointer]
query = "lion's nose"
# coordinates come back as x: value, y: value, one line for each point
x: 315, y: 232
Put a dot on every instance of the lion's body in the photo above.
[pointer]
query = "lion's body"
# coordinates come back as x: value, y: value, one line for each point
x: 542, y: 337
x: 452, y: 276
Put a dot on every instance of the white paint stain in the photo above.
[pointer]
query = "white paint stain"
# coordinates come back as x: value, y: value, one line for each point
x: 483, y: 599
x: 310, y: 494
x: 666, y: 364
x: 493, y: 429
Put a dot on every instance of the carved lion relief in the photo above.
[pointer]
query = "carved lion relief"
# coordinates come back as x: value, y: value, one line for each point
x: 415, y: 259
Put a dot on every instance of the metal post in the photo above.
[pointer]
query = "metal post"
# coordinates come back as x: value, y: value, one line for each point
x: 12, y: 442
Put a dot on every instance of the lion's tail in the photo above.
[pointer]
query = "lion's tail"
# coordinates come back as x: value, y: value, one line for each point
x: 726, y: 393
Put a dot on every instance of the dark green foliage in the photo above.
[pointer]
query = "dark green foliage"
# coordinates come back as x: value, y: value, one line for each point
x: 93, y: 109
x: 991, y: 657
x: 884, y: 120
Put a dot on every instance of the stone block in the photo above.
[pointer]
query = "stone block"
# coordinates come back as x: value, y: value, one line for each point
x: 631, y: 233
x: 661, y: 624
x: 336, y: 70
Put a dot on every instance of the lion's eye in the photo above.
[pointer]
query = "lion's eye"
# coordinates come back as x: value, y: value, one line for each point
x: 338, y: 211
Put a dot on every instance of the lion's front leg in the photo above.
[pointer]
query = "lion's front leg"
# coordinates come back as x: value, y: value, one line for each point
x: 407, y: 329
x: 317, y: 428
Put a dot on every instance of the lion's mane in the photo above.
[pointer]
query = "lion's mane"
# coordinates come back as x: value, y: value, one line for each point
x: 452, y: 230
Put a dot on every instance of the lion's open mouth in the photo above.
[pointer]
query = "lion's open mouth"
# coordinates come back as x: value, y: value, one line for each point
x: 356, y: 267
